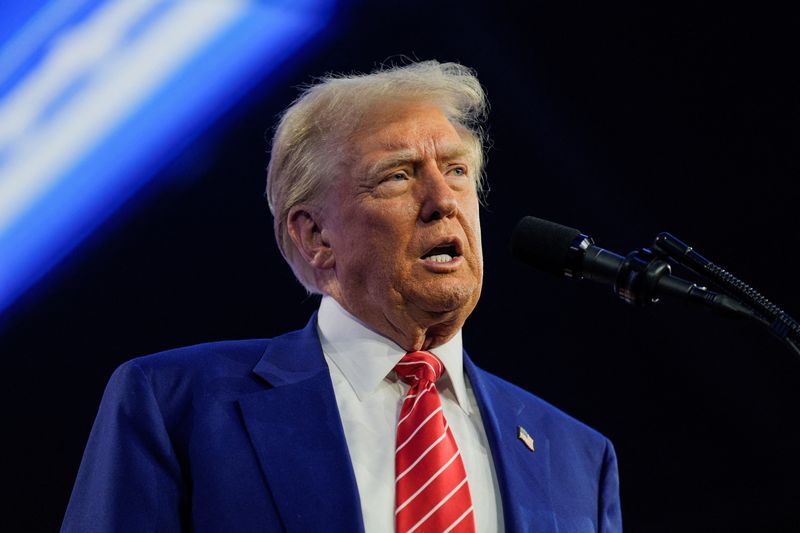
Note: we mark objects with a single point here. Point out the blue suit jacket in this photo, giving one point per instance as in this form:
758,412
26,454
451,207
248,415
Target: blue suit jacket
246,436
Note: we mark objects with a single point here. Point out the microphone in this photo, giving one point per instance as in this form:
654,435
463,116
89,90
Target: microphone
640,278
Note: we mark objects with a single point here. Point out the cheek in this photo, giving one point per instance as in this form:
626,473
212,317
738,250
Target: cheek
472,222
478,243
374,237
390,221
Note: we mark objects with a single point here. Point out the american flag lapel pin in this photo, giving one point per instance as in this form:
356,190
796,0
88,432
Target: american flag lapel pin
526,438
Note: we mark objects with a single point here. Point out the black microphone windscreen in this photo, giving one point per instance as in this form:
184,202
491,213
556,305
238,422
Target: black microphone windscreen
543,244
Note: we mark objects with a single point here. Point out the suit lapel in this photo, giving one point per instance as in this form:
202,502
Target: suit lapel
523,476
297,433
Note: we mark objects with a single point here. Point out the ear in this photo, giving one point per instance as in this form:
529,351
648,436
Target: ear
305,229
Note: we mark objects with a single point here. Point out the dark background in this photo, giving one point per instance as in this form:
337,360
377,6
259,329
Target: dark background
620,120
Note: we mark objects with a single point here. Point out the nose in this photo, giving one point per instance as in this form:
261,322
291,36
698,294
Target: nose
439,200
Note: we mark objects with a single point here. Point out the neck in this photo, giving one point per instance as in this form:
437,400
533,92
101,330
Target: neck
410,331
414,336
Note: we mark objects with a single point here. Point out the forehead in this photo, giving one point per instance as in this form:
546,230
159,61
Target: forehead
420,130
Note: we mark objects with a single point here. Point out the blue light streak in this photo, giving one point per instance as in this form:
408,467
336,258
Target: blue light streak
196,92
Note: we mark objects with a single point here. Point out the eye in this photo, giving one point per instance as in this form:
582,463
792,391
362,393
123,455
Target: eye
396,176
458,171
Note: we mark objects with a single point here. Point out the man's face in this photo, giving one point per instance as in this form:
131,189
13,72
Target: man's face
402,221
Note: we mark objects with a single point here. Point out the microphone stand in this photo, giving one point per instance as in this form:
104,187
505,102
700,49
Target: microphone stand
759,308
643,276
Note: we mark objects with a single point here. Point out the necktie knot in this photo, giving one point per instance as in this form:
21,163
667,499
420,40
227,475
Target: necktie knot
419,366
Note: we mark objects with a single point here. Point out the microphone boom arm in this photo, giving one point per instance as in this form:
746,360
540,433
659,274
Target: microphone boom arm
642,277
780,323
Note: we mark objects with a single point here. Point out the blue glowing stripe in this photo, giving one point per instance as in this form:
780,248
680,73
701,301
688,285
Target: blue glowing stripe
197,91
28,28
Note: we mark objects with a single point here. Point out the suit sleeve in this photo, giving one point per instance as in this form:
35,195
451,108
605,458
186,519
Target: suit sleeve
129,478
609,512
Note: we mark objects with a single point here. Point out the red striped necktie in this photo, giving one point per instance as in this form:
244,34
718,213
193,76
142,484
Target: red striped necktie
431,489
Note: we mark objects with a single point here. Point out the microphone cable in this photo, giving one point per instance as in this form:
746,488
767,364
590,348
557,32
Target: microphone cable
777,320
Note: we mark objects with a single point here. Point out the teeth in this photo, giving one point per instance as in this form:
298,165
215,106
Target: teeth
441,258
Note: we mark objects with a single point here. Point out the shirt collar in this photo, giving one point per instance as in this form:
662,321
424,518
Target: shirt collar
366,357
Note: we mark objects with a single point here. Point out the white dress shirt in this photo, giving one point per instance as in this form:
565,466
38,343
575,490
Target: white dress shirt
369,395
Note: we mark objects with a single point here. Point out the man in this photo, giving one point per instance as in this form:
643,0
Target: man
372,417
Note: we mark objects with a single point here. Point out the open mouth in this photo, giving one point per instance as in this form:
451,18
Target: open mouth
442,254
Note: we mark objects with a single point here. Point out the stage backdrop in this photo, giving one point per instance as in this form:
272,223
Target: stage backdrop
621,120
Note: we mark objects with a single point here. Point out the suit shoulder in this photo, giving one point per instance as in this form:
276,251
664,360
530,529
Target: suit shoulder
214,369
546,413
204,358
184,379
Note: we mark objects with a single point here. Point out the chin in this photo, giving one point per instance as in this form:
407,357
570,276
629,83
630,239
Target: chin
449,298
